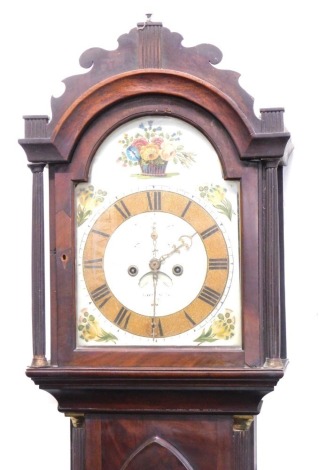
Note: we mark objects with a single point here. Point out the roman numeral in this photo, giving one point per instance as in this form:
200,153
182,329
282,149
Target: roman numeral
189,318
99,232
122,318
160,328
154,200
209,296
101,295
186,208
122,209
218,263
209,231
93,263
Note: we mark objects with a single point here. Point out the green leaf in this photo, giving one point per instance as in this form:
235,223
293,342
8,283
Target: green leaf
206,336
106,337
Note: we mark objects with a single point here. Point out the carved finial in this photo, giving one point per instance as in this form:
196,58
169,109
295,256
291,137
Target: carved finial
148,22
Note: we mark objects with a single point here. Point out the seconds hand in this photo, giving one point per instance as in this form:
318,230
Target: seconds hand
155,279
154,267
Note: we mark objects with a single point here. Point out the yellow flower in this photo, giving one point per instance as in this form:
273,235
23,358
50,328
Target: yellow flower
92,331
224,325
217,195
219,329
89,327
88,199
84,196
150,152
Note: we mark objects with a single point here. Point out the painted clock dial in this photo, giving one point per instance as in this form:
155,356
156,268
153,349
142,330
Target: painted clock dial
157,256
156,264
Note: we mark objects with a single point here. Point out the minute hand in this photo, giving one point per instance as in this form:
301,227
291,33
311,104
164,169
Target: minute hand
185,242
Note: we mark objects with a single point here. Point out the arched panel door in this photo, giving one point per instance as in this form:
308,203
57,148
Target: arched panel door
156,453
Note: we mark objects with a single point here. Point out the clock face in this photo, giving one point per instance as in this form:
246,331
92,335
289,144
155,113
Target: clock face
157,265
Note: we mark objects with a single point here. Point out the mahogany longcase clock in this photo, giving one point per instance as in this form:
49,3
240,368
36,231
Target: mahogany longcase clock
166,257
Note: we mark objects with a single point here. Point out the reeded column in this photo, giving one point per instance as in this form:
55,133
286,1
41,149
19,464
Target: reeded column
272,268
77,441
243,440
272,121
38,267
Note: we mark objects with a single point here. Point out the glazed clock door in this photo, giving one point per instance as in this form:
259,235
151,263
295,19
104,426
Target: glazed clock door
157,241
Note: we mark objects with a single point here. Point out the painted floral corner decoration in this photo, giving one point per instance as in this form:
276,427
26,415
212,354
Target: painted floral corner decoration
152,148
216,195
90,330
222,328
87,200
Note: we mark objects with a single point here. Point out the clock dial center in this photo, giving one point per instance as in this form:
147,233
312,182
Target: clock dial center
155,264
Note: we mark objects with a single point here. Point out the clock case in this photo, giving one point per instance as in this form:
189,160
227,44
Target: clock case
199,392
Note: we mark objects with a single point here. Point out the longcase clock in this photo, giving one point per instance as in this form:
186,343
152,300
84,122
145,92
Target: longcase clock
166,257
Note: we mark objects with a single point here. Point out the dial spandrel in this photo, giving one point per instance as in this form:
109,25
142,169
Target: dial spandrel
157,257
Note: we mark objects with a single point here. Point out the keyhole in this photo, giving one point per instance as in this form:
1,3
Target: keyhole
64,260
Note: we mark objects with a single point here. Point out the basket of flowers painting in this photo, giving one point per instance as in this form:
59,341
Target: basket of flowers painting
152,148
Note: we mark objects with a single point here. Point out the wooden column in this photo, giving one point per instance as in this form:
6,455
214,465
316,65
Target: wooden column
272,121
38,266
77,442
272,285
244,439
